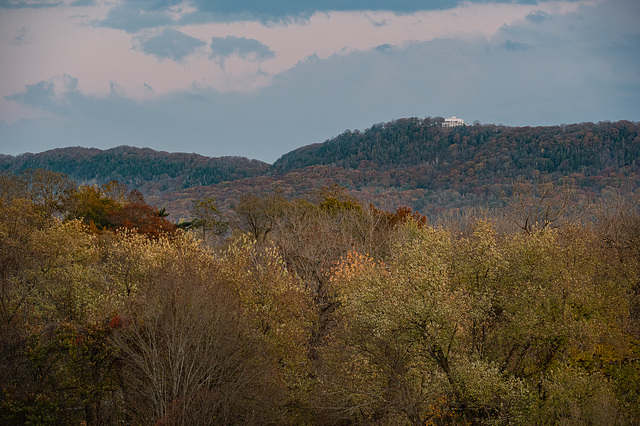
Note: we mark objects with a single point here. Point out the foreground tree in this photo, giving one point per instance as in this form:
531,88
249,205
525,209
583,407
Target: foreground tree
188,358
279,308
259,216
50,191
478,330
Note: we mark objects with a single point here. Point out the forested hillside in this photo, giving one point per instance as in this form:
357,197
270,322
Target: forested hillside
482,151
150,171
413,162
418,163
476,161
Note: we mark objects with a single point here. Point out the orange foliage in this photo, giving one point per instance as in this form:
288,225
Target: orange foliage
112,206
352,265
404,214
142,218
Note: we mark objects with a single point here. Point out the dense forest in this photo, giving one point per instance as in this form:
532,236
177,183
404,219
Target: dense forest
412,161
500,151
318,310
470,165
147,170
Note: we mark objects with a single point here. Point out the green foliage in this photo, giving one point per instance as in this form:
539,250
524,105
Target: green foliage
69,376
92,206
478,150
335,201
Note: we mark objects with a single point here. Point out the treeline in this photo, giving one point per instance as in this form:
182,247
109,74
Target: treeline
494,151
151,172
469,165
314,311
405,154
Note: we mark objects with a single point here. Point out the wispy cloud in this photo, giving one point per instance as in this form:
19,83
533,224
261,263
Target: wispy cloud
170,44
34,4
51,95
22,37
246,48
515,46
538,16
385,48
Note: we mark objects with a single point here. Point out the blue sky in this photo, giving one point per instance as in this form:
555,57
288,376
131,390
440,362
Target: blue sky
260,78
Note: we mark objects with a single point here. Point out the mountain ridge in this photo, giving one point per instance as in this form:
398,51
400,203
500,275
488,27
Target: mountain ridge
409,161
145,169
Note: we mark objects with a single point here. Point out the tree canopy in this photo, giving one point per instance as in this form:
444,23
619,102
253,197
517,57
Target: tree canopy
318,310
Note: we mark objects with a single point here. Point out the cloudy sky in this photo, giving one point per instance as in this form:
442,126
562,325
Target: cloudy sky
258,78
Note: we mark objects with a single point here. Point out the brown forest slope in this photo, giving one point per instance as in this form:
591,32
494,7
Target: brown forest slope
417,163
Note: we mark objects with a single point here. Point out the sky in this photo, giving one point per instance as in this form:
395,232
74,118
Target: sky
259,78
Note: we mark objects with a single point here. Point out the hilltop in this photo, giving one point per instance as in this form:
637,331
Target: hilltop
150,171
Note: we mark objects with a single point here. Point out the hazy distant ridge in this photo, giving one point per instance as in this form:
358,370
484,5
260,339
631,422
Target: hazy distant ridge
146,169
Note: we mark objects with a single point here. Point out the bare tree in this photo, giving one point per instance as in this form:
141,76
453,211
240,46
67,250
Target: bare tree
259,215
188,358
51,191
207,216
539,204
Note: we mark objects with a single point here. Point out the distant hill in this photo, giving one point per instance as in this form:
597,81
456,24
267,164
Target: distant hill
145,169
491,151
430,168
409,161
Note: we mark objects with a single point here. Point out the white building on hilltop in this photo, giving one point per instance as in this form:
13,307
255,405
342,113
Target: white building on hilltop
453,122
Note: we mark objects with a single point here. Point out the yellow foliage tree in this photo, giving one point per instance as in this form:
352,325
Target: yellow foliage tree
485,322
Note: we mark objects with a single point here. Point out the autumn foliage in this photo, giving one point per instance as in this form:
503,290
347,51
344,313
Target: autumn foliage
318,311
112,206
